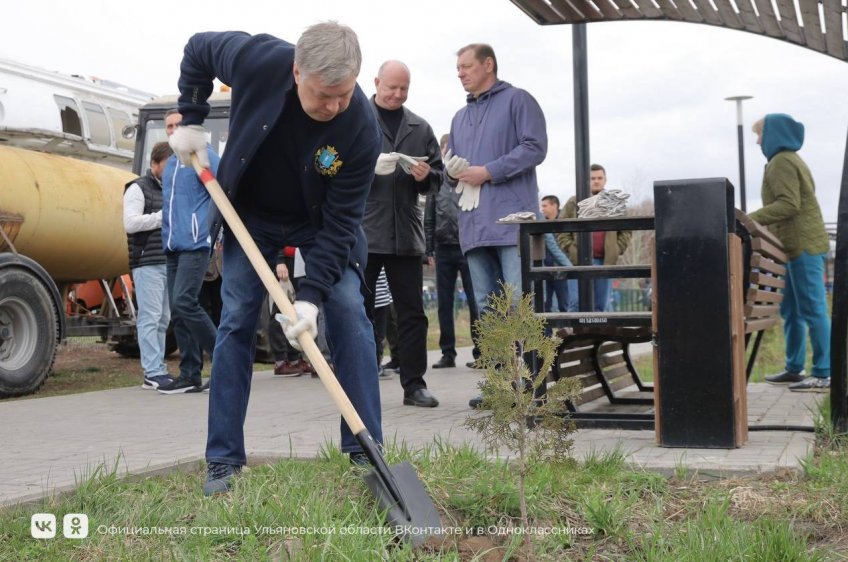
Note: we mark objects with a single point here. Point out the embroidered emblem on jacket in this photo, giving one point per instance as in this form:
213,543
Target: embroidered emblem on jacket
327,162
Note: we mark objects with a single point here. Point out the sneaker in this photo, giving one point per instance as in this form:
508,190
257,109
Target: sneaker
811,384
205,387
359,459
288,368
180,386
152,383
392,365
476,402
785,377
383,374
476,364
219,478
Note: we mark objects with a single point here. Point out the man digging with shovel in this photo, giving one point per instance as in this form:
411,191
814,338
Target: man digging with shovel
299,163
298,167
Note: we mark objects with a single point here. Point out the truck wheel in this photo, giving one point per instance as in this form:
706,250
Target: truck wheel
29,331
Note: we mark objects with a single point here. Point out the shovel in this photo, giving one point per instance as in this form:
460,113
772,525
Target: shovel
398,490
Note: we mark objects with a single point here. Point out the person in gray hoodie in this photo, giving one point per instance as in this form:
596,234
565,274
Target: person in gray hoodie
496,142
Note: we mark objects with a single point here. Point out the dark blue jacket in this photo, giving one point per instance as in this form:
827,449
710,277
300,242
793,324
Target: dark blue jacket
259,70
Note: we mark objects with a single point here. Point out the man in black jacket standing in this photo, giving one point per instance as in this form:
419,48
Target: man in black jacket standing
442,233
410,165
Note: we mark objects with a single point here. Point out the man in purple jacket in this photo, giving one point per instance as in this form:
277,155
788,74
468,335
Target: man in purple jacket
497,139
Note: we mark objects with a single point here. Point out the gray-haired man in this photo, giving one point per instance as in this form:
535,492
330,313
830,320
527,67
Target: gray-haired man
299,162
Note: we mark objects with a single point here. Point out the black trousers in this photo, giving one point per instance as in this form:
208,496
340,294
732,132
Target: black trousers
450,262
406,278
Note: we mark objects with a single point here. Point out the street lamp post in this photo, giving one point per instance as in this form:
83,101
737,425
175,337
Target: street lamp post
739,100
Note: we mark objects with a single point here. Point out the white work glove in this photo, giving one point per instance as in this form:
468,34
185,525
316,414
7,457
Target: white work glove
407,162
307,321
469,196
454,164
386,163
188,140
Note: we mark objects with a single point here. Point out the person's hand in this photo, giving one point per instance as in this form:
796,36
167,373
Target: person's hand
474,175
188,140
386,163
431,260
469,196
454,164
420,171
282,272
307,321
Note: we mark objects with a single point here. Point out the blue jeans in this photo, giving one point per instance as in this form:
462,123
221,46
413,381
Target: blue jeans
193,328
151,293
804,307
449,263
489,266
349,333
601,289
566,293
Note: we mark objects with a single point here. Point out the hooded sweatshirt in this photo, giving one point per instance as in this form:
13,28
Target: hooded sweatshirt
790,209
504,130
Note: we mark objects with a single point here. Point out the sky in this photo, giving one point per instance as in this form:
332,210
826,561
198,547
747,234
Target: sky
656,89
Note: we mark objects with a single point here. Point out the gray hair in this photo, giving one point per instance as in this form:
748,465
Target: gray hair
329,50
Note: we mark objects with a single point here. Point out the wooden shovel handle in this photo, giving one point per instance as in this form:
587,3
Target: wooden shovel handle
268,278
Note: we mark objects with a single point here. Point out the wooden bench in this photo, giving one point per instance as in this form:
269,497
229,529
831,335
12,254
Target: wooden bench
599,356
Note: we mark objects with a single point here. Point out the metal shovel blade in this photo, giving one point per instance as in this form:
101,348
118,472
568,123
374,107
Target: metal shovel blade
414,518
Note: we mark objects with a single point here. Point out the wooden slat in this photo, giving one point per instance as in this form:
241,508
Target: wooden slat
737,336
756,311
833,25
688,12
570,13
648,9
609,10
812,24
759,325
619,383
728,15
771,250
540,11
758,278
627,9
669,10
593,11
789,22
748,16
617,372
760,295
768,19
576,370
707,12
590,394
759,261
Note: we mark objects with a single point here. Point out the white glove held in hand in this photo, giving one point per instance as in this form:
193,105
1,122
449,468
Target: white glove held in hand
469,196
407,162
188,140
454,164
307,321
386,163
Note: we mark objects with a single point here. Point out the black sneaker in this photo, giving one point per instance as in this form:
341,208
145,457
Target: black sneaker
476,402
219,478
785,377
153,383
180,386
392,365
811,384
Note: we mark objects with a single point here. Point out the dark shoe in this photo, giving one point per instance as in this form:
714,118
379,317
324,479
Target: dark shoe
219,478
811,384
444,363
383,374
288,368
476,402
205,387
180,386
785,377
359,459
392,365
476,364
421,397
153,383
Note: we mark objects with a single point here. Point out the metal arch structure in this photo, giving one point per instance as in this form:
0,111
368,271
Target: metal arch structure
813,24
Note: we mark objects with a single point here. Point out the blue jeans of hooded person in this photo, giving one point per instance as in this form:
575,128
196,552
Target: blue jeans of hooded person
193,328
489,266
601,289
154,314
804,307
349,333
449,263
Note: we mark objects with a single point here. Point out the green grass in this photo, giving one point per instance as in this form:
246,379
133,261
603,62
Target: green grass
600,509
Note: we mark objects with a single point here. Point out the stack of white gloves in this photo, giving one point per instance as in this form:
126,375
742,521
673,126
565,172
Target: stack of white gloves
469,196
388,161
